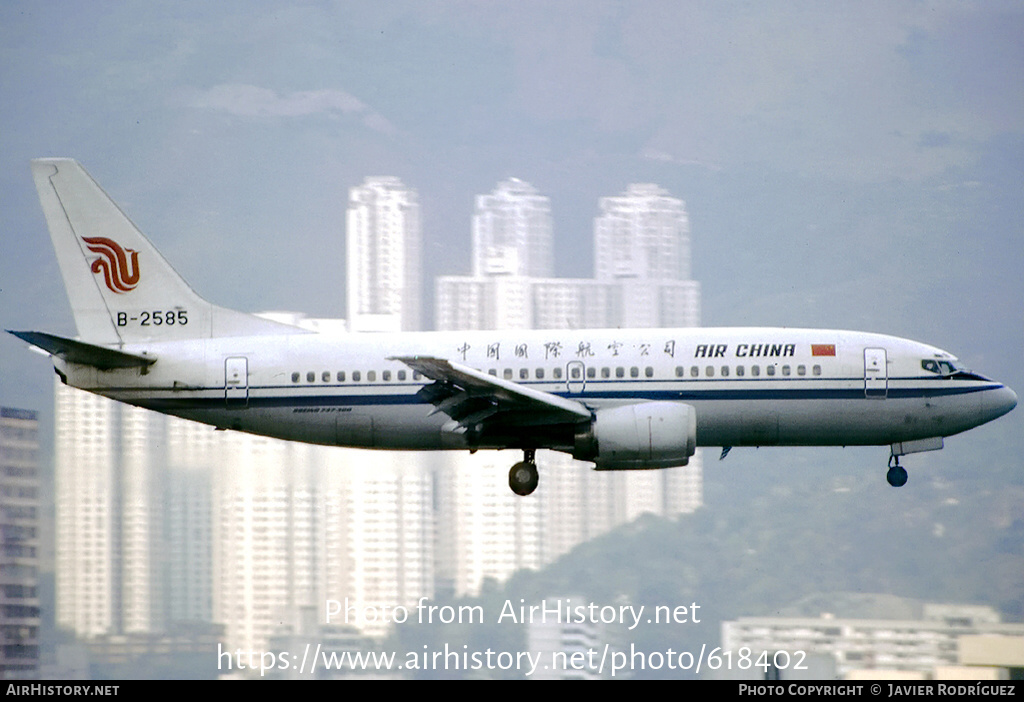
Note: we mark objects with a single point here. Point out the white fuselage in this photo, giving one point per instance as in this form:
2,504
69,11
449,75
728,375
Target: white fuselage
748,386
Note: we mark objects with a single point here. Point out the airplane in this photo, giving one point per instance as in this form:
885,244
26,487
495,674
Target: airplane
623,399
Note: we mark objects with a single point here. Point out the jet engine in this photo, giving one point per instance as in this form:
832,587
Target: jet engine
644,435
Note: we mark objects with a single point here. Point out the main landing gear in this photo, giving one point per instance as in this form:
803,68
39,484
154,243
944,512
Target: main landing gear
897,475
523,477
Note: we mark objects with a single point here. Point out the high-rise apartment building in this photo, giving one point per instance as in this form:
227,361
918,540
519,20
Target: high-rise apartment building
132,517
512,245
378,534
383,252
297,525
264,531
192,459
109,504
512,232
642,245
484,531
643,233
19,543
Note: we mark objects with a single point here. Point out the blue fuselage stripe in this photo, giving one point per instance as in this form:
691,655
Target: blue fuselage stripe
594,392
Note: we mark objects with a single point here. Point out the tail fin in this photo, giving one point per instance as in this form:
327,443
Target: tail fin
120,288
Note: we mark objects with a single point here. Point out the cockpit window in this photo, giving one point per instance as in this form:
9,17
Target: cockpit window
949,369
940,367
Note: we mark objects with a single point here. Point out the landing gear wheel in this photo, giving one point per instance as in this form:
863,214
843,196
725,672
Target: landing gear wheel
897,475
523,478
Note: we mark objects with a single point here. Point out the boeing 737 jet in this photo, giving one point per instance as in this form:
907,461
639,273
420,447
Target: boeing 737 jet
623,399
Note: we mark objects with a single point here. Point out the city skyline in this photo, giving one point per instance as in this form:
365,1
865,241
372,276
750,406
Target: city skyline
510,286
161,521
640,276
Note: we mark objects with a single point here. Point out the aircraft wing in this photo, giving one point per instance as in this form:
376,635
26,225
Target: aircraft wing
471,397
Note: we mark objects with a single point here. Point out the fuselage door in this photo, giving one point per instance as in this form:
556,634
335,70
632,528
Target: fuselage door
236,382
876,373
575,376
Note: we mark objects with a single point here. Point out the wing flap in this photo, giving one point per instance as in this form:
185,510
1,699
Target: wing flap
469,396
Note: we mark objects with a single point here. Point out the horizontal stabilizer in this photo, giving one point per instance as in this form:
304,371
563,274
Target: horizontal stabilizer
80,352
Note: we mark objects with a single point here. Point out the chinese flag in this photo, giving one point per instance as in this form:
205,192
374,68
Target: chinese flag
823,349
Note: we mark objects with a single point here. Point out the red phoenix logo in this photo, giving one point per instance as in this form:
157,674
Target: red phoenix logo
113,263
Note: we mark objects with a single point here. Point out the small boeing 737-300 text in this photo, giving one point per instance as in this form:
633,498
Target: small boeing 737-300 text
623,399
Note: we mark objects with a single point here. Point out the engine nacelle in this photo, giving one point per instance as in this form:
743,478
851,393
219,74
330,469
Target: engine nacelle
633,437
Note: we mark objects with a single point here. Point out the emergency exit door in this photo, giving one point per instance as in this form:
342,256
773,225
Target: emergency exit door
236,382
876,373
575,376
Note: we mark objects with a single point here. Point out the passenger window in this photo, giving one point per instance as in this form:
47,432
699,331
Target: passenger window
755,370
620,372
649,372
575,372
371,376
785,370
679,371
557,373
770,370
310,377
416,375
694,372
710,371
356,376
341,376
493,371
816,370
524,373
507,374
634,372
295,377
401,375
326,376
725,371
606,372
386,375
539,373
591,372
801,370
739,371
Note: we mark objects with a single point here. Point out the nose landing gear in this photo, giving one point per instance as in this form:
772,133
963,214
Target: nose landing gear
897,475
523,477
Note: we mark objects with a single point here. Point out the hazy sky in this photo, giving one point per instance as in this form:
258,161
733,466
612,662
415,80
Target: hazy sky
844,164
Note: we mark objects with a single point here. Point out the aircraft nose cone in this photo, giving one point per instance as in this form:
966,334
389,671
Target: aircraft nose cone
1010,400
998,402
